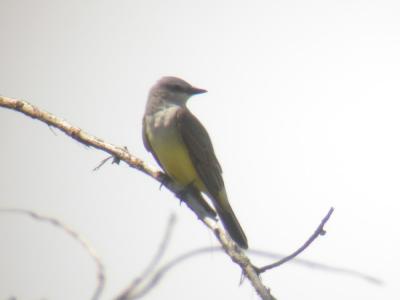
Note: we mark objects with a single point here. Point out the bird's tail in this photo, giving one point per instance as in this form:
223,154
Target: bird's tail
229,219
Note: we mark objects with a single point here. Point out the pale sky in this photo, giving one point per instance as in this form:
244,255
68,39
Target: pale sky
303,110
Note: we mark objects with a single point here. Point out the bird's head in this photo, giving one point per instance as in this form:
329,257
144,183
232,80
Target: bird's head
174,90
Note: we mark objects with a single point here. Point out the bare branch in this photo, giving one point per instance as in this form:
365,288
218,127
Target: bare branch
138,288
119,153
319,231
101,277
235,253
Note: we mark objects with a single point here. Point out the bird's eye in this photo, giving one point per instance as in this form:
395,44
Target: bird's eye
176,88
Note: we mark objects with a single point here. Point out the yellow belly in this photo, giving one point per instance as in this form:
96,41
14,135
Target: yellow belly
174,157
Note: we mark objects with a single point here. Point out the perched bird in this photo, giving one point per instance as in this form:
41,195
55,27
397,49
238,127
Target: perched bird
183,149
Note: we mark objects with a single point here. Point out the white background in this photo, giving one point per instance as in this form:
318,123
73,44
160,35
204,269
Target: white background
303,110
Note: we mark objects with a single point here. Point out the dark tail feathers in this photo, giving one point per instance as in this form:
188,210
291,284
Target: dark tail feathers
232,225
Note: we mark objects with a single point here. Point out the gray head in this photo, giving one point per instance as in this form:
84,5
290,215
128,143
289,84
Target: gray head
173,90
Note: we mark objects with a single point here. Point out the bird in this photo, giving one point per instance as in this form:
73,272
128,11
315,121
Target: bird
182,147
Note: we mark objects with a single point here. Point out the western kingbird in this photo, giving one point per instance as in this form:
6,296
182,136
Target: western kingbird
183,149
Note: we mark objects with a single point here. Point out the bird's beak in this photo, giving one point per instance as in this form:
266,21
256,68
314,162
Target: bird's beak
194,91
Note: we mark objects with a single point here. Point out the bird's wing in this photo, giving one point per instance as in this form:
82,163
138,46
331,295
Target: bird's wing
206,164
201,151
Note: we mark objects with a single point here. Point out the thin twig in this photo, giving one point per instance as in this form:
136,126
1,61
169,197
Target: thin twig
322,267
319,231
101,277
102,163
304,262
134,290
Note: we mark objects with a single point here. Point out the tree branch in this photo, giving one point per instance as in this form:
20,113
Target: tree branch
120,153
101,277
319,231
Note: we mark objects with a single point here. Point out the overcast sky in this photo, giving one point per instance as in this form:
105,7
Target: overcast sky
303,110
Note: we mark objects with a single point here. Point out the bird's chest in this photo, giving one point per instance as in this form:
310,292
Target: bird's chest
161,126
168,146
